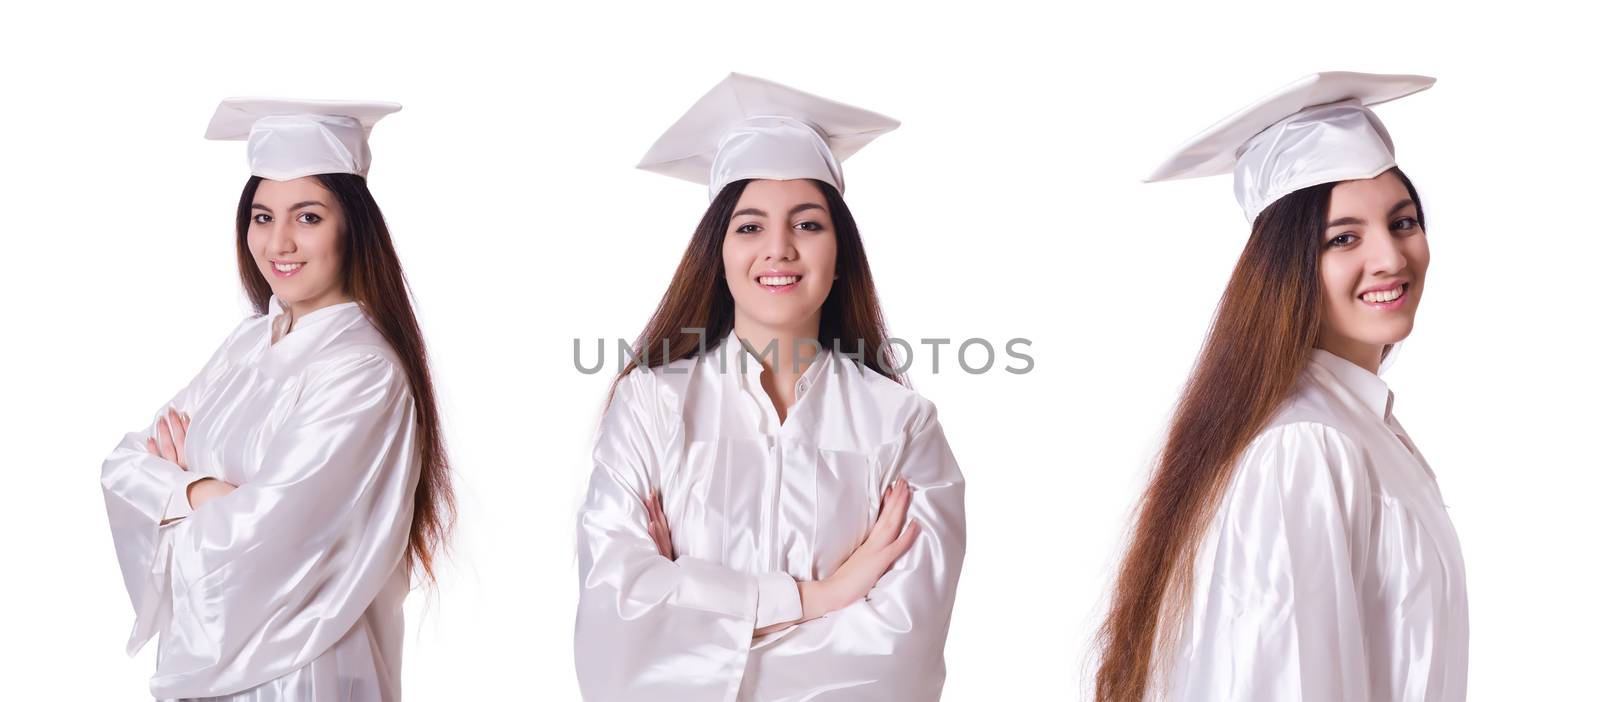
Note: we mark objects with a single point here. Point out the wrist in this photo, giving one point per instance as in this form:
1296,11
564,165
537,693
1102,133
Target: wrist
818,598
814,599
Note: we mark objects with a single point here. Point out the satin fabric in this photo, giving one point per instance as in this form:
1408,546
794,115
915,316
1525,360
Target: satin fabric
1315,130
1327,144
749,127
289,588
773,147
288,139
1331,570
755,505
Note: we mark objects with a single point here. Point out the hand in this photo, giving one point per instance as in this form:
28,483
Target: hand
885,543
658,526
171,431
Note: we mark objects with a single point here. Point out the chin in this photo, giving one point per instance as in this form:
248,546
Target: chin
1390,335
780,319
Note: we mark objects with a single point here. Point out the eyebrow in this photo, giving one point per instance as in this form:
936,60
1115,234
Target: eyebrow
802,207
297,205
1343,221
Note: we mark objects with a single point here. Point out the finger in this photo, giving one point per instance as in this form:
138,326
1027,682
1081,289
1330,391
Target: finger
891,516
150,445
879,533
659,534
185,417
903,544
164,440
178,437
894,512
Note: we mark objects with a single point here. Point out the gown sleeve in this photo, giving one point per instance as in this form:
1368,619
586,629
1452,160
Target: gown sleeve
649,628
1278,614
141,491
269,577
889,645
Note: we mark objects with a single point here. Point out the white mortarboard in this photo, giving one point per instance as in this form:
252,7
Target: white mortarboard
748,127
289,139
1315,130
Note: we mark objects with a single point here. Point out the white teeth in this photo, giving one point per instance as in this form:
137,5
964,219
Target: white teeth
778,280
1384,295
287,267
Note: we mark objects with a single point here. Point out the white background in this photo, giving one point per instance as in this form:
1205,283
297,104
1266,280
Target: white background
1009,204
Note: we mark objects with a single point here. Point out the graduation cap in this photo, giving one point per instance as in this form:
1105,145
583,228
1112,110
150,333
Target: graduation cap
288,139
748,127
1315,130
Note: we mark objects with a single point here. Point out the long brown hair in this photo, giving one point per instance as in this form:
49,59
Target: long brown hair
373,277
1260,340
698,297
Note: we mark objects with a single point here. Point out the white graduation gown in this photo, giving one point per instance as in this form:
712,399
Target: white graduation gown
289,588
754,506
1331,570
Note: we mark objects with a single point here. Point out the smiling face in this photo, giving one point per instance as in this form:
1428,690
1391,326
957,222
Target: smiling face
1374,256
295,238
779,255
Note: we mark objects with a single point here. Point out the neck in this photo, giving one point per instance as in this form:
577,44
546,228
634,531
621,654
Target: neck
301,308
1368,356
785,354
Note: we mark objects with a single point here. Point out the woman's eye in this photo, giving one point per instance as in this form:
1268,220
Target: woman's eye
309,218
748,228
809,226
1342,240
1404,224
261,218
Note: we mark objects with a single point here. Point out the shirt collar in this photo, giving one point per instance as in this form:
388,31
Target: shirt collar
1367,387
276,308
742,359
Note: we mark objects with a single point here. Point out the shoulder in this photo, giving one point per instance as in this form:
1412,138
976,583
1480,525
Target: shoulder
1312,403
357,355
359,338
1303,459
902,409
660,387
246,334
1306,437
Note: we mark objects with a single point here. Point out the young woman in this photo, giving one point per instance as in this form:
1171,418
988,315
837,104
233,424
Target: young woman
269,520
1292,544
772,514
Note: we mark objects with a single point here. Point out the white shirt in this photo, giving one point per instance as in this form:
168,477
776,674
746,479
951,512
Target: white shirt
289,588
755,505
1330,570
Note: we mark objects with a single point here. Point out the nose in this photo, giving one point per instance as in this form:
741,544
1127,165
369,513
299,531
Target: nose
779,245
280,239
1385,256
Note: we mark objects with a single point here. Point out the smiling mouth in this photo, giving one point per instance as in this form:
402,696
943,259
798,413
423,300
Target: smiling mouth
777,282
284,269
1386,299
